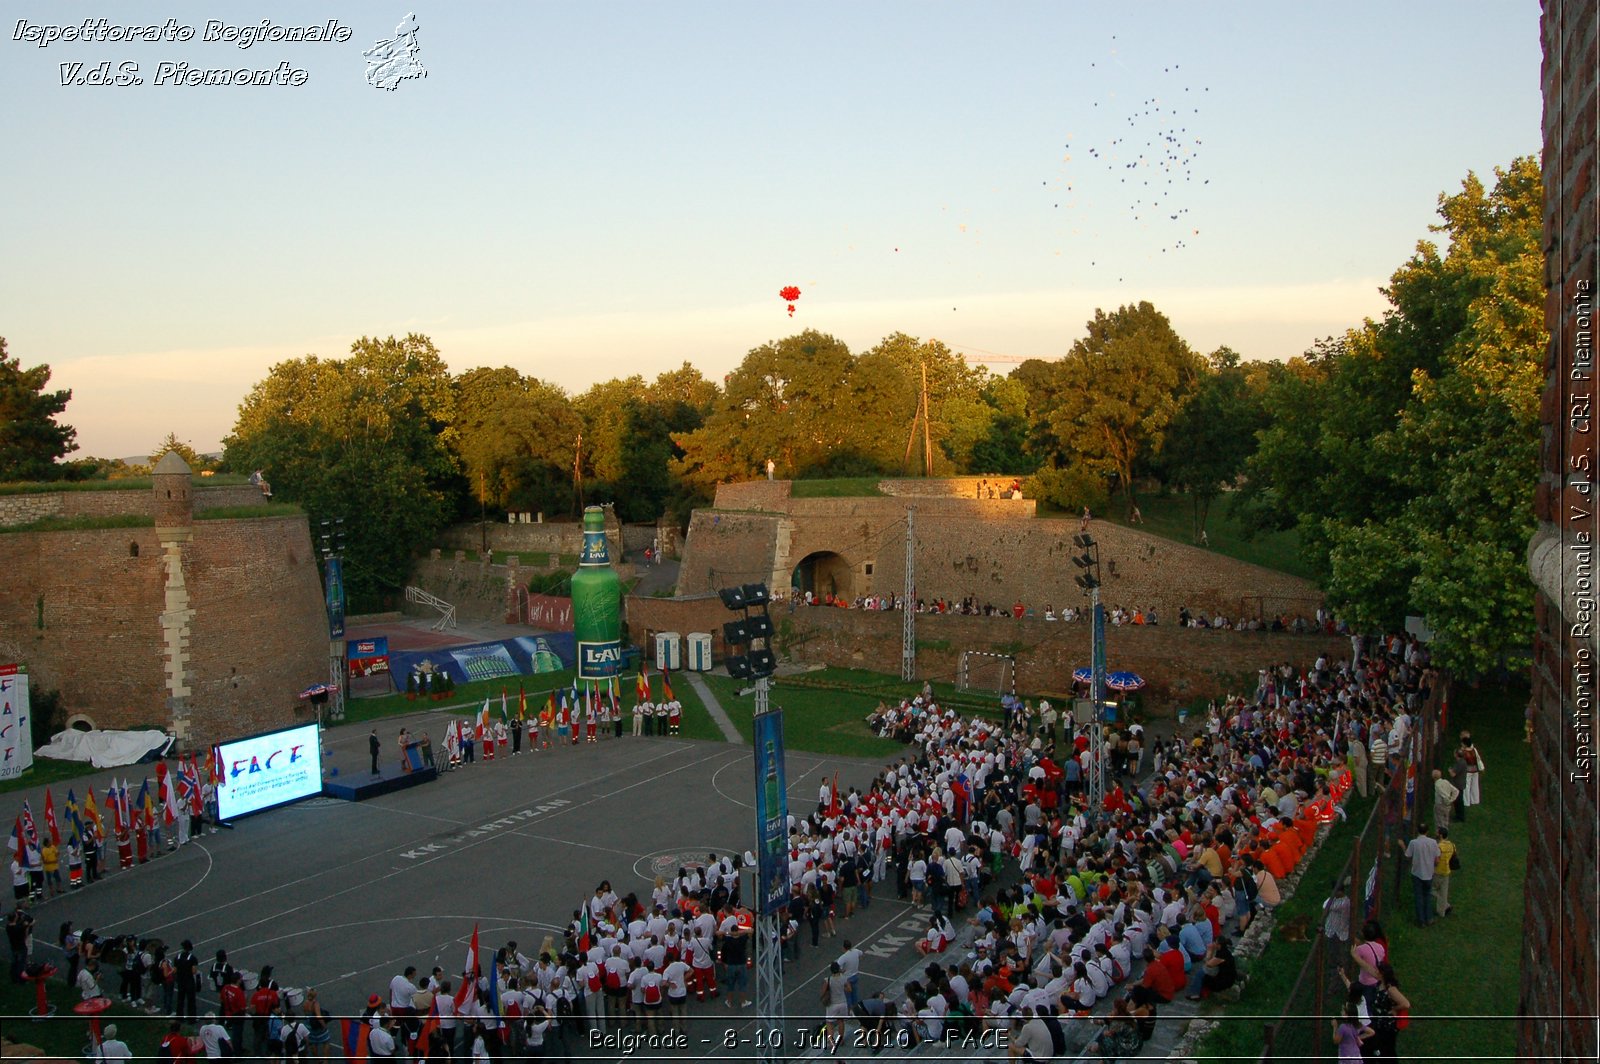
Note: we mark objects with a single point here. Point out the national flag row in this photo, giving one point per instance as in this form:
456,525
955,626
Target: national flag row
134,818
563,707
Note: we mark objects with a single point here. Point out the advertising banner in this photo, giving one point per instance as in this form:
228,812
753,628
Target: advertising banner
263,771
772,814
334,579
550,611
16,723
522,656
367,648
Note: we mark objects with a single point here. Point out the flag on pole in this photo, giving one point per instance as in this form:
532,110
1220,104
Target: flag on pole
92,812
833,801
522,703
469,974
29,831
14,842
666,686
504,714
585,928
74,827
641,683
214,766
119,818
50,818
483,719
167,794
615,701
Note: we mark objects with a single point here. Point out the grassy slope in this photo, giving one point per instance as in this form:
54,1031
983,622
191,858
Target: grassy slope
1171,516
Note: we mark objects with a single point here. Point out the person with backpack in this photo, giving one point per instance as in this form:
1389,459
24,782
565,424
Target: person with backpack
174,1044
318,1025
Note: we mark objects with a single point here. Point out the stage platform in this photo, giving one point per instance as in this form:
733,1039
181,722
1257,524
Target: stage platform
359,786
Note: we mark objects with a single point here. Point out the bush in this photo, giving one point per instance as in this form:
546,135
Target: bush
49,716
1069,489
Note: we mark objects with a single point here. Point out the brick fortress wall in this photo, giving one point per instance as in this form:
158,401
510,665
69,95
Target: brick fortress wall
1178,664
1560,996
992,550
82,610
25,509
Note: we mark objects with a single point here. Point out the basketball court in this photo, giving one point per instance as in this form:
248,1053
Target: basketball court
343,896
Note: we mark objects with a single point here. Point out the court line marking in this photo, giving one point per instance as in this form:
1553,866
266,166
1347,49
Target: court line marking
422,862
210,864
390,850
584,845
791,785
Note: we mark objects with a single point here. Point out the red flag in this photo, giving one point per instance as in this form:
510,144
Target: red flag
522,703
165,795
50,818
833,802
29,831
469,977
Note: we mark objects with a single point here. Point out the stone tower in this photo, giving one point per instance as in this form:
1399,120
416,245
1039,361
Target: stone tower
174,513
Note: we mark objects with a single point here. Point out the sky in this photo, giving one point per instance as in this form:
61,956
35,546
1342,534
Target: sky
584,189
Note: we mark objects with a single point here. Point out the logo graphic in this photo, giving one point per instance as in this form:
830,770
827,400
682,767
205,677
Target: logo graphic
393,61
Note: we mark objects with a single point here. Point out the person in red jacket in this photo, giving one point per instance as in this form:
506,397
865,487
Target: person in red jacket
1159,977
175,1044
233,1008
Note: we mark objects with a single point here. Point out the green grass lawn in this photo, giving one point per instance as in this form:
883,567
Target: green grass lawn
64,1036
47,771
818,721
1467,964
1172,517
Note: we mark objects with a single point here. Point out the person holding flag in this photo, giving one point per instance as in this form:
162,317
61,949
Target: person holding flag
616,711
94,834
521,721
664,708
74,843
119,825
591,711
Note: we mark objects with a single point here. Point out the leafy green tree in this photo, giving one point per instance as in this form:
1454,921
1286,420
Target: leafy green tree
517,439
363,439
789,401
1118,389
1214,434
1407,452
32,441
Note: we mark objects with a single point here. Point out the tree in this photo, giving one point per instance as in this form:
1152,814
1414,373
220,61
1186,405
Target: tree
1214,433
31,440
363,439
516,438
789,401
1407,452
1119,388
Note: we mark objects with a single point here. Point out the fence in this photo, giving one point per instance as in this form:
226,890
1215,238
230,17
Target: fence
1375,877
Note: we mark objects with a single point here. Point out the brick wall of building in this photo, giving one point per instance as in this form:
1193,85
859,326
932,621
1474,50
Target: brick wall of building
1178,664
25,509
82,608
558,537
1560,998
988,550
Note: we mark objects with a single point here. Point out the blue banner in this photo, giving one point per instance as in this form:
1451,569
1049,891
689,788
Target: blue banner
367,648
1099,677
334,578
522,656
772,814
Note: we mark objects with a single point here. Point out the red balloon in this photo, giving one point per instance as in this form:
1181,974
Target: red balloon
789,293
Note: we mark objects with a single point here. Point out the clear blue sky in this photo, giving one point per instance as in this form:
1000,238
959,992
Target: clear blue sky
588,189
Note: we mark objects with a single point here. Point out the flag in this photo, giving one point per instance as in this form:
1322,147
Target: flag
166,794
74,826
121,798
354,1035
666,686
14,842
146,804
614,699
493,1001
833,802
483,719
196,795
50,818
585,928
642,682
429,1025
522,703
29,831
504,715
119,817
469,974
550,706
214,767
93,813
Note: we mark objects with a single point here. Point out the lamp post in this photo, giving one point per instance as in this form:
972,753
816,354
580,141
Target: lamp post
750,657
1089,580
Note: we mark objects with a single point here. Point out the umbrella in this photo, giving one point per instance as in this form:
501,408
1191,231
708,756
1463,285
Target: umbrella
1124,681
318,690
1082,675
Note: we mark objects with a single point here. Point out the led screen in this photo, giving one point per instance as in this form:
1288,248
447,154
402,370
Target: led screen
267,770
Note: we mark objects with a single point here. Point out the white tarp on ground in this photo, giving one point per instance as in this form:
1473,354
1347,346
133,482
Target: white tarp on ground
104,749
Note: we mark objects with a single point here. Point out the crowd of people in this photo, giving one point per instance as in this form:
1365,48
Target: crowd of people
984,825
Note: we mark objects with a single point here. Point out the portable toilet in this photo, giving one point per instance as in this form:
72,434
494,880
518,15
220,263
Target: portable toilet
697,648
668,653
